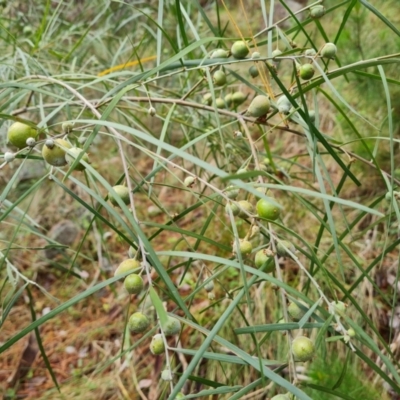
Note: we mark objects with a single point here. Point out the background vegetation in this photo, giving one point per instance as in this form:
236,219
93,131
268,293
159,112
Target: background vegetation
133,79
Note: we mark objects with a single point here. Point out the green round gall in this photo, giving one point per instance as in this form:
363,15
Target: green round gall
239,49
27,30
127,265
284,105
207,99
245,247
171,327
18,133
189,181
122,192
276,53
157,346
166,375
253,71
132,252
232,192
282,248
232,207
219,78
329,50
261,259
310,53
9,156
238,98
228,99
56,155
306,71
295,311
209,286
71,156
339,307
351,332
245,208
133,284
219,102
389,197
303,348
280,397
311,114
219,53
259,106
138,323
67,127
267,210
317,11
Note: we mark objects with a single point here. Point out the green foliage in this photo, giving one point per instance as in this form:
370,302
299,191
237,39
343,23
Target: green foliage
183,143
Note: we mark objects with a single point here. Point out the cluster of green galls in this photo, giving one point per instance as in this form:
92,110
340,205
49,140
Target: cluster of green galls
266,209
56,152
139,322
261,104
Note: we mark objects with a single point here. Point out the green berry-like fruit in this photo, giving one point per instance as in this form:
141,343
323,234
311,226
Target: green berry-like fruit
138,323
219,102
245,208
219,78
310,53
166,375
67,127
284,105
245,247
281,247
329,50
253,71
9,156
280,397
207,99
72,154
219,53
179,395
171,327
306,71
189,181
317,11
239,50
133,284
132,252
232,192
55,155
268,210
351,332
259,106
238,98
295,311
209,286
232,207
339,307
303,348
157,346
127,265
256,55
228,99
18,133
261,259
122,192
276,53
